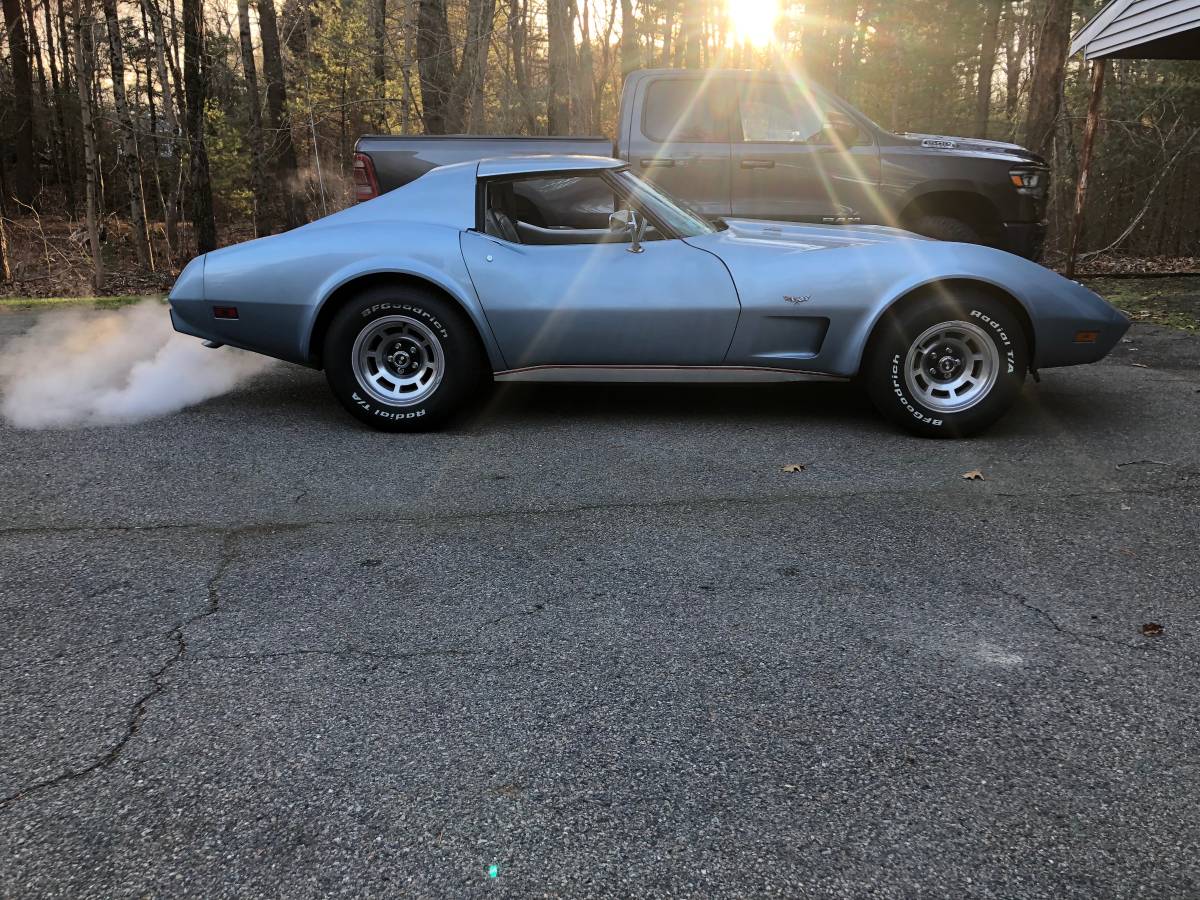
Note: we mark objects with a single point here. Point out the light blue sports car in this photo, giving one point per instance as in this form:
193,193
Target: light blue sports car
571,268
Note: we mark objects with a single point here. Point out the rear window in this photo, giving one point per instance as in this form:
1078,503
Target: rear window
679,109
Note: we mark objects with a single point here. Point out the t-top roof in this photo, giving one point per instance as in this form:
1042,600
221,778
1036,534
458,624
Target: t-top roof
524,165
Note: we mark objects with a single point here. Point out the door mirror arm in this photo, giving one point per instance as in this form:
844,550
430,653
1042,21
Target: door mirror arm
632,223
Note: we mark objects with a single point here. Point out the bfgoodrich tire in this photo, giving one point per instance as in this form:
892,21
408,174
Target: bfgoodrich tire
946,367
403,359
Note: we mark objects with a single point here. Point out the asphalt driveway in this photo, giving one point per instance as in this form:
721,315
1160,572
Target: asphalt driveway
599,643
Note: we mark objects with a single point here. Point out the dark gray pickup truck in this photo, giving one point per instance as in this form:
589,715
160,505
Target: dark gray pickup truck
760,145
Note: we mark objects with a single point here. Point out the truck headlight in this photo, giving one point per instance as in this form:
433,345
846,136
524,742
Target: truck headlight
1032,182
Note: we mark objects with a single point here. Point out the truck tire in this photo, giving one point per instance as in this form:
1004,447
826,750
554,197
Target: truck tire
946,228
400,358
946,367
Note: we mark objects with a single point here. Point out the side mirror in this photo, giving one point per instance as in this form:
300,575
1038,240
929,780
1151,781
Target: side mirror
629,222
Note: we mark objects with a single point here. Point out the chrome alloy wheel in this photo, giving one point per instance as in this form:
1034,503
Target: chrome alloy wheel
951,366
398,360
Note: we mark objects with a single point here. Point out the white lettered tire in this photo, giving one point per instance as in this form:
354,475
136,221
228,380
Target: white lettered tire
946,366
400,358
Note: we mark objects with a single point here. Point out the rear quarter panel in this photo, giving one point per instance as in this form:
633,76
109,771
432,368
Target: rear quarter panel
280,284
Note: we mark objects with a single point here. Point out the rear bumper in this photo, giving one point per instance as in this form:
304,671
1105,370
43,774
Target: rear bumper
1024,239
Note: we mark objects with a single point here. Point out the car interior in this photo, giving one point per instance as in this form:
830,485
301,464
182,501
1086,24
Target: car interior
551,210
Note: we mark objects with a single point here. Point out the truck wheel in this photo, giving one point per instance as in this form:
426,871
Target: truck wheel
946,228
946,367
403,359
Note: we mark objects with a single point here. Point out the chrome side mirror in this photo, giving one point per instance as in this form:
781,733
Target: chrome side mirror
629,222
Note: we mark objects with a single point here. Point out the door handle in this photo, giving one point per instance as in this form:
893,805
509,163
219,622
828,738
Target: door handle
758,163
661,162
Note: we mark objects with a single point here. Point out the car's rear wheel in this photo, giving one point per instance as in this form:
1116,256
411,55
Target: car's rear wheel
403,359
946,367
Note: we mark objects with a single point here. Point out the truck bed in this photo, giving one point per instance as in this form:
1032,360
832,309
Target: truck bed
399,159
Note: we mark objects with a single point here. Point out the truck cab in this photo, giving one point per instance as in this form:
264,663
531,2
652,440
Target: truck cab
769,145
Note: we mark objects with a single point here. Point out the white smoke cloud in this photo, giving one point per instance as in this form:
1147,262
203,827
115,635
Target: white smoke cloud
83,367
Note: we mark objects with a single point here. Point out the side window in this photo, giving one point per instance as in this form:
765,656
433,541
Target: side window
682,109
552,209
779,112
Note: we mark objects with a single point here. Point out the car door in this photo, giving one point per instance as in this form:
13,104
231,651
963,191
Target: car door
681,142
797,156
600,304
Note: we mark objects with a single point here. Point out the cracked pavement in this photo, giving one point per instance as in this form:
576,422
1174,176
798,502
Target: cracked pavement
598,639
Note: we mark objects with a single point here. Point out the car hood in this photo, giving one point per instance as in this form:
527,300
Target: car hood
951,144
800,237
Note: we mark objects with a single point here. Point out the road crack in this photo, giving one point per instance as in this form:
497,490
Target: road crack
158,680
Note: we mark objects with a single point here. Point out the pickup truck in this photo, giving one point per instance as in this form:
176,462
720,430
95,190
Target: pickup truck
761,145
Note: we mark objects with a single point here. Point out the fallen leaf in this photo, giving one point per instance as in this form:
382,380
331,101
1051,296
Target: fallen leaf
1139,365
795,467
1152,628
973,475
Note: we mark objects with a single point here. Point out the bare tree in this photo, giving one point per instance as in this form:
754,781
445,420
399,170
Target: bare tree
631,56
258,179
987,65
283,148
435,64
129,148
83,82
466,92
558,75
1045,86
196,89
22,76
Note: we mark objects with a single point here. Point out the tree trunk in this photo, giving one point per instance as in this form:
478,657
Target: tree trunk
1045,86
258,179
561,39
582,100
1085,165
987,65
693,25
171,204
83,83
379,63
814,47
466,93
518,33
203,225
129,149
279,123
22,79
435,64
631,57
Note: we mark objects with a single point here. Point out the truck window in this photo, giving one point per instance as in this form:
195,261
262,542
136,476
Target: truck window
685,109
778,112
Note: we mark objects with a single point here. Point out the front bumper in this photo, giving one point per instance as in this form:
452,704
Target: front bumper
1024,239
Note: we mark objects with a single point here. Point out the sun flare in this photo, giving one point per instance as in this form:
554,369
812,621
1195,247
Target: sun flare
753,21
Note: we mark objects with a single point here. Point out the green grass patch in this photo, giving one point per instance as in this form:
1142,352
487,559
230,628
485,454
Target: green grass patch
1174,302
94,302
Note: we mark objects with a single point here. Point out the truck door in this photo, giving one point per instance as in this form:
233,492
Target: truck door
797,156
681,140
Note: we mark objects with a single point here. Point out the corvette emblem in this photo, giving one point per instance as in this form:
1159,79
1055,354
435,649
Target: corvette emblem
802,298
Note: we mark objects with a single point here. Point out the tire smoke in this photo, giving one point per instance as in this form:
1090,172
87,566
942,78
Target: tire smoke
89,367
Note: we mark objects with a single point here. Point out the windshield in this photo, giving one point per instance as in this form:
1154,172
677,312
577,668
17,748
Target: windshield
660,206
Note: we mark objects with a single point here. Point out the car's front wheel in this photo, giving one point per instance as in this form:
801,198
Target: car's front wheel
403,359
946,367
